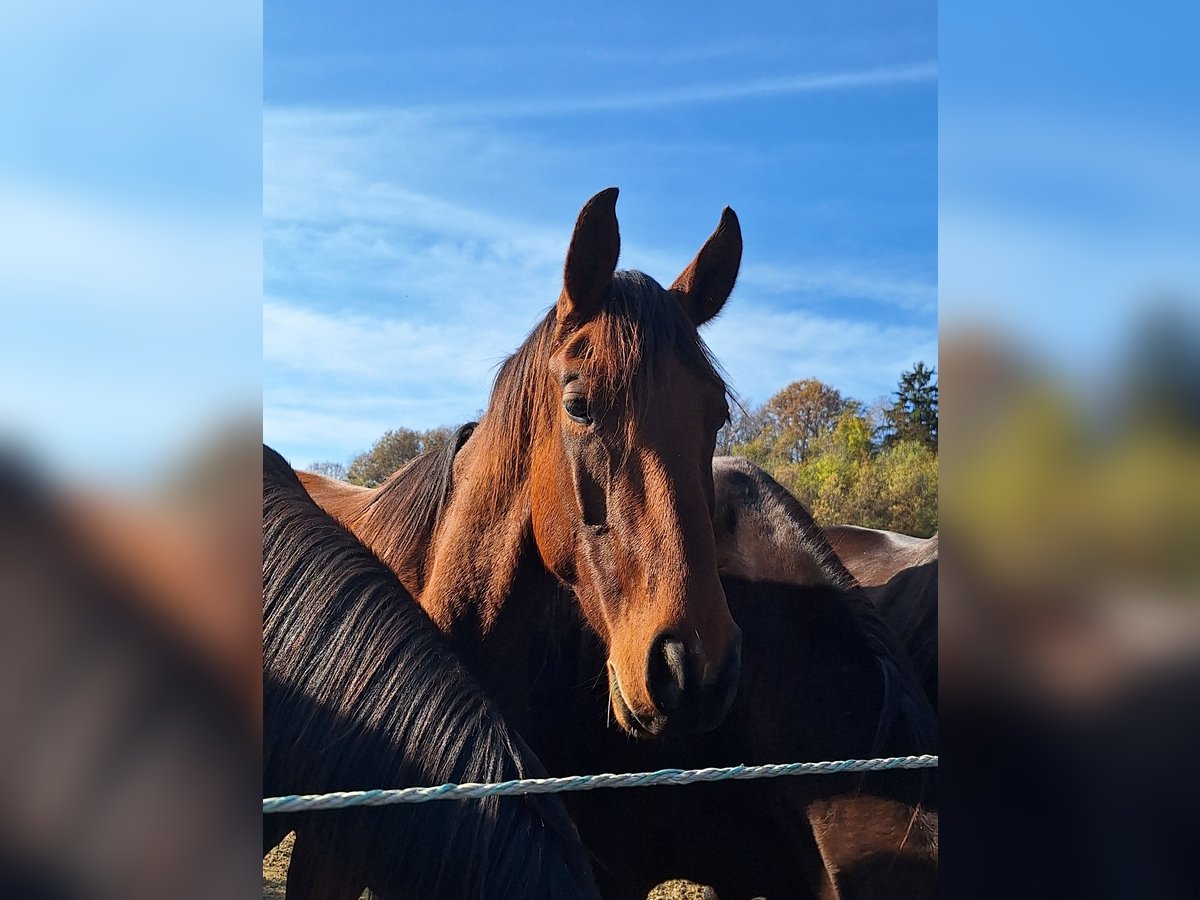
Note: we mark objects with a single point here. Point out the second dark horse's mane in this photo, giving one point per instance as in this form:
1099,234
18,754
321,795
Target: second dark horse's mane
391,707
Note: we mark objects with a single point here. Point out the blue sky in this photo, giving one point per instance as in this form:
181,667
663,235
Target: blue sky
423,169
1069,175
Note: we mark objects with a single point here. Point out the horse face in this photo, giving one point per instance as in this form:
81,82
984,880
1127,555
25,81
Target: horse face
622,492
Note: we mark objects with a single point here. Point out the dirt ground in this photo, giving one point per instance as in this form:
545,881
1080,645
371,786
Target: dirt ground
275,878
275,870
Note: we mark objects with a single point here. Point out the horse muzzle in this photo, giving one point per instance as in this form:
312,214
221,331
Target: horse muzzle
681,701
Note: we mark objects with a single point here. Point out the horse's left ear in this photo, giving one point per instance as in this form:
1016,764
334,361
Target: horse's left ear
706,283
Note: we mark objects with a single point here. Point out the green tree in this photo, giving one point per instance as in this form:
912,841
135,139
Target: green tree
906,476
850,435
391,451
848,480
914,414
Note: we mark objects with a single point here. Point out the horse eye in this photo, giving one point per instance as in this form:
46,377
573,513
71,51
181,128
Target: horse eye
578,409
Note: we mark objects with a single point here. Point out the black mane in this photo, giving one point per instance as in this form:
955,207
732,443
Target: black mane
361,692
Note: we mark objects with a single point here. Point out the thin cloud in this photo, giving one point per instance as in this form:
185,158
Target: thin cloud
686,95
505,53
372,348
856,281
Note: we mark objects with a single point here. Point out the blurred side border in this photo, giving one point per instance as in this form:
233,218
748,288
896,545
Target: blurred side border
1069,321
130,432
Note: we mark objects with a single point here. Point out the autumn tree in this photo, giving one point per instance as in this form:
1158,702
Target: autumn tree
800,415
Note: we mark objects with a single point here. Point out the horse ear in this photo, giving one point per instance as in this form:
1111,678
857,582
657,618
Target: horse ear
591,259
706,283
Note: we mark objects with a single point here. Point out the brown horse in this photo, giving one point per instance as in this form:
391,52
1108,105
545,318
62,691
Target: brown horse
591,469
763,533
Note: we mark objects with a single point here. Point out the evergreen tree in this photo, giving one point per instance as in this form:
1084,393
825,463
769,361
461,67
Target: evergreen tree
914,414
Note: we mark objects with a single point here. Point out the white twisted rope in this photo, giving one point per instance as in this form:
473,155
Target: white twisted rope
346,799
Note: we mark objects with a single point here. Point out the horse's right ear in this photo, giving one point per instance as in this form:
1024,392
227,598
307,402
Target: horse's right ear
591,260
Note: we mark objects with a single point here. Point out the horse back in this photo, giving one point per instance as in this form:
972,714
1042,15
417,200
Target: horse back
339,499
874,557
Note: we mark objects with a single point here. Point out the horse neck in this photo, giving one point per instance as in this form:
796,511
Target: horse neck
482,564
408,559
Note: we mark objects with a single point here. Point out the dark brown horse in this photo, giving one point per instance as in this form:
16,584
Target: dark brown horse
822,679
764,534
591,469
391,707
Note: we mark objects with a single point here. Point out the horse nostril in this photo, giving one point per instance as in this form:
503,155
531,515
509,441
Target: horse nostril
666,672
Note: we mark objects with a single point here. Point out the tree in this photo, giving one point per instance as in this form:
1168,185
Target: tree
914,414
801,414
391,451
746,423
333,470
851,434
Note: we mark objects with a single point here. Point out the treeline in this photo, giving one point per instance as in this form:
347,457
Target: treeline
848,463
396,447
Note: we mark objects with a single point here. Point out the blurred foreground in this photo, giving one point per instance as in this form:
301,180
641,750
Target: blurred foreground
1070,620
130,285
130,684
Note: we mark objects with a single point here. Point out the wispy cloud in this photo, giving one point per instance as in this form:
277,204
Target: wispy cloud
504,54
379,348
842,281
335,381
889,76
924,72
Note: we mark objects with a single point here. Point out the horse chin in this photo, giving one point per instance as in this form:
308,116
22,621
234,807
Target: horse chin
632,724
